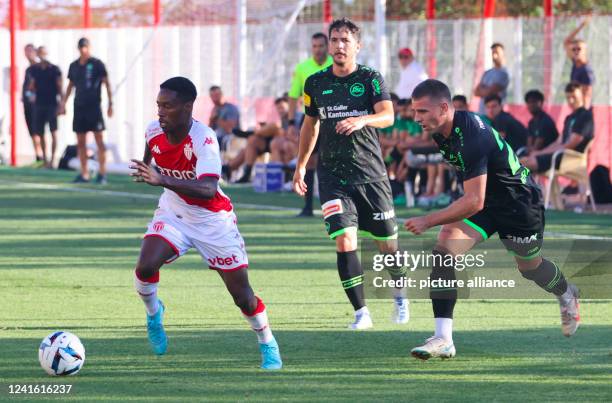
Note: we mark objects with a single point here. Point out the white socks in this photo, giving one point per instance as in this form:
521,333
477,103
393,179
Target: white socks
148,292
444,328
259,323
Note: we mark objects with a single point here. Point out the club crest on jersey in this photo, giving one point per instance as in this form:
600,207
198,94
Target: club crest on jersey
156,149
158,226
208,141
188,151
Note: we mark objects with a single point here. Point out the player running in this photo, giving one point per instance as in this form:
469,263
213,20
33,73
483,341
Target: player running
499,196
346,103
193,212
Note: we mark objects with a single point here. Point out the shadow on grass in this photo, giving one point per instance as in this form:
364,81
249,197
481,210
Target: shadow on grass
333,365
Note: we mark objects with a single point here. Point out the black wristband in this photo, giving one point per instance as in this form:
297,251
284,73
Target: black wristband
291,121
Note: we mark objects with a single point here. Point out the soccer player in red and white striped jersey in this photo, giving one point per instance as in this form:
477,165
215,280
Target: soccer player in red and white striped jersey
193,212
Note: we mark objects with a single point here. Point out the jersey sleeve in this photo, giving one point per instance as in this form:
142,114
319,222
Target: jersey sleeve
310,106
378,88
102,69
476,152
206,149
584,125
71,72
295,91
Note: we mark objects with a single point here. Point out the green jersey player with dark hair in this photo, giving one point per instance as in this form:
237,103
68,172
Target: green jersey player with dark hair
499,196
345,105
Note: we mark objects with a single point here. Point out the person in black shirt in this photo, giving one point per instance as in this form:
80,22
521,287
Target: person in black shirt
46,83
499,196
541,127
86,75
508,127
577,132
27,97
345,104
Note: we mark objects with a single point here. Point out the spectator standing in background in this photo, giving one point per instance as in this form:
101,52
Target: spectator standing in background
86,75
582,73
27,97
541,127
411,74
495,80
508,127
224,117
46,84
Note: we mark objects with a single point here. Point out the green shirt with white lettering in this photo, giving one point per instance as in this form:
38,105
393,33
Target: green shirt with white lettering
353,159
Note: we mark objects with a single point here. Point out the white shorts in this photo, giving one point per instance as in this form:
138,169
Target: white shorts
217,239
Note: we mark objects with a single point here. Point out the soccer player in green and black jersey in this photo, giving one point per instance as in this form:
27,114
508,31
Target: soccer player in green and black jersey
345,104
499,196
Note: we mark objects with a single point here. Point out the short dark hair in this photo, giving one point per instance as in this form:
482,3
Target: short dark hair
183,87
536,95
572,86
345,23
29,45
83,42
492,97
281,99
460,98
404,101
319,35
497,45
432,88
214,88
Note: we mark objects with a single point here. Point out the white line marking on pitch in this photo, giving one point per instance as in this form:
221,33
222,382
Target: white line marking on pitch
146,196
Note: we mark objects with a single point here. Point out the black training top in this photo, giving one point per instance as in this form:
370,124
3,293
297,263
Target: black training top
87,80
579,122
45,79
353,159
475,149
541,125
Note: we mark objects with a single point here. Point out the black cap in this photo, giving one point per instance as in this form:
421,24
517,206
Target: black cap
83,42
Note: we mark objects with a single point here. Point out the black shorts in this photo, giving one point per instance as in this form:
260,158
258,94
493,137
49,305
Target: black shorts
545,161
28,111
520,224
88,119
367,207
45,114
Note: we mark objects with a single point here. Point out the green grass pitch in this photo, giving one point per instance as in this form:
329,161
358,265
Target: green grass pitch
66,263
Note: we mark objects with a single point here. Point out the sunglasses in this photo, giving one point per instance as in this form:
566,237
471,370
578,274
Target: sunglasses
576,49
403,57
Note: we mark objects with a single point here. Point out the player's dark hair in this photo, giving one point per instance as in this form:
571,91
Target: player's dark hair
492,97
320,35
183,87
29,45
497,45
214,88
404,101
345,23
460,98
281,99
571,87
536,95
432,88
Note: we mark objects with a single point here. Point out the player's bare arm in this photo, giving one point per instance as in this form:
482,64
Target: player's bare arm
109,94
308,138
147,155
203,188
62,110
383,117
467,205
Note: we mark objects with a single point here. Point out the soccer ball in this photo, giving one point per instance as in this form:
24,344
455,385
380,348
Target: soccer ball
61,353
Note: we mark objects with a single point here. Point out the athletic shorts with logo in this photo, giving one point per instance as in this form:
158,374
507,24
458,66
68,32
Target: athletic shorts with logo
520,224
217,239
367,207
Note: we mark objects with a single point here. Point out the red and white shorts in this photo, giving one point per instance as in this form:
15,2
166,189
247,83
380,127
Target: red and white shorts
217,239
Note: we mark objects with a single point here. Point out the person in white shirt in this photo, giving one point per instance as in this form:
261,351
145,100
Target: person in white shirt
411,75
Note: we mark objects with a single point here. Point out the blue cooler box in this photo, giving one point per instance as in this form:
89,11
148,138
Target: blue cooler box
268,177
